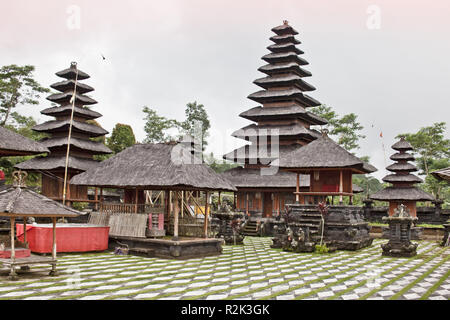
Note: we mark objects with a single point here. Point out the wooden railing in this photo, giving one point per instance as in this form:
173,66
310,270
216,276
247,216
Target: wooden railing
129,208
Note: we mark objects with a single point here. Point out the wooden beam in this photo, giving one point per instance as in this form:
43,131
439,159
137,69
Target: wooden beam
136,201
96,199
13,249
341,186
246,203
297,189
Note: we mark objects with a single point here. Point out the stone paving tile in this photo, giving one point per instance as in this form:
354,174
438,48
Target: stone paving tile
257,263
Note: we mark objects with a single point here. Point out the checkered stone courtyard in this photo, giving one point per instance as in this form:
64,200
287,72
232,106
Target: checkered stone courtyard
252,271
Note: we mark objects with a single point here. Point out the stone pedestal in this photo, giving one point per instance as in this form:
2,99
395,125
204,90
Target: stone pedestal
230,227
400,244
446,239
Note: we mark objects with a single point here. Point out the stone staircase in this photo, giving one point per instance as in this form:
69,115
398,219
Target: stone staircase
250,228
311,219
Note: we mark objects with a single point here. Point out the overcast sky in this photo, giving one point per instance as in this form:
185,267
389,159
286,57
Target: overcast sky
387,61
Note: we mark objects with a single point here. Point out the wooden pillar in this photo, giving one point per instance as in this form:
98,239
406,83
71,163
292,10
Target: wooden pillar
246,203
182,203
205,226
341,184
136,198
297,189
25,232
13,249
219,199
96,199
235,200
175,218
53,272
101,197
279,203
12,273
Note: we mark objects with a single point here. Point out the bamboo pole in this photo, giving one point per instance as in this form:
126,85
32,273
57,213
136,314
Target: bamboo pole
205,226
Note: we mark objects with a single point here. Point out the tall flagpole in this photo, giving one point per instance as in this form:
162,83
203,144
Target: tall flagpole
72,100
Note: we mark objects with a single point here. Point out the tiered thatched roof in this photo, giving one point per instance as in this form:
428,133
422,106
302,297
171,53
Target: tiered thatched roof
402,180
158,166
81,144
14,144
443,174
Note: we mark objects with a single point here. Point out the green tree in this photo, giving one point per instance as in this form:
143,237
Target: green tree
429,144
196,113
121,138
346,129
156,127
17,87
217,165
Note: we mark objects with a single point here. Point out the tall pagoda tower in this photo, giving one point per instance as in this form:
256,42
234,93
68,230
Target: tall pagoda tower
402,190
282,114
82,146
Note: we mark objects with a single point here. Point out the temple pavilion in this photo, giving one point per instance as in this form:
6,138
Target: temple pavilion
402,190
184,181
82,147
329,167
14,144
282,123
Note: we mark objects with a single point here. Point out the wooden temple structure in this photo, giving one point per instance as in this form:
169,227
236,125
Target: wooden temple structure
282,124
13,144
20,202
402,192
329,167
172,169
73,107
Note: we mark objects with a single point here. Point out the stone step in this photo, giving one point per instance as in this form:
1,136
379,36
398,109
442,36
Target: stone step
142,252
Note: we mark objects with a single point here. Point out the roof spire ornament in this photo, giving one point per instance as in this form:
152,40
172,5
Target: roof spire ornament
19,179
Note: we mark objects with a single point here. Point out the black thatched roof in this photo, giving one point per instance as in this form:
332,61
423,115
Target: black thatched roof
292,94
63,125
289,112
285,28
399,156
443,174
395,167
276,57
67,85
16,201
12,143
65,97
71,73
67,110
284,81
284,68
57,162
408,178
399,193
285,38
252,178
292,130
283,47
87,145
402,145
154,166
322,153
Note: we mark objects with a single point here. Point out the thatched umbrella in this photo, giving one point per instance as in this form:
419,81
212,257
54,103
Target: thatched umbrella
18,201
160,166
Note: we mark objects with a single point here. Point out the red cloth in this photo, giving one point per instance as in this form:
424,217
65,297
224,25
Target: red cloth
2,175
68,239
19,253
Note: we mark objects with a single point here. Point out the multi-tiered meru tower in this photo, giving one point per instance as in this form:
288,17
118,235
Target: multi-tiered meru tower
82,146
283,114
402,192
